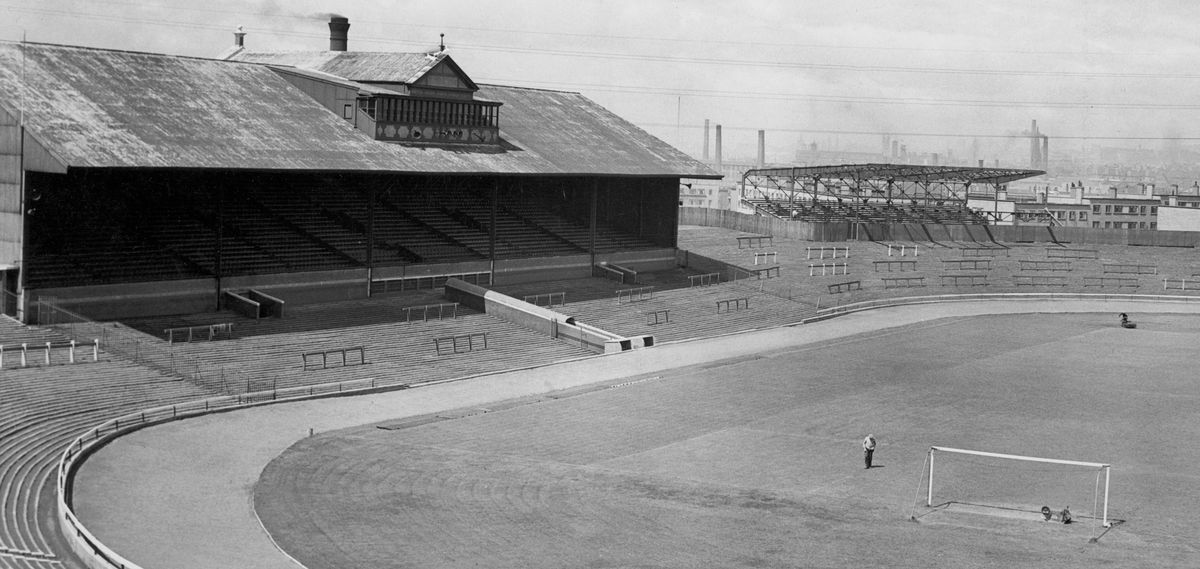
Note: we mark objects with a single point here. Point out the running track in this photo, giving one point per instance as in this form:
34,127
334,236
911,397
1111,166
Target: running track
180,495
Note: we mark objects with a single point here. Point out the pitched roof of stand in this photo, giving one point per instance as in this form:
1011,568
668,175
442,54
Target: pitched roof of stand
94,108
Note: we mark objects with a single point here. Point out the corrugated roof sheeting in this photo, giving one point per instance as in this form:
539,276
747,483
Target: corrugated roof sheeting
376,67
106,109
571,130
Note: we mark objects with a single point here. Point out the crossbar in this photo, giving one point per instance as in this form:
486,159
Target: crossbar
1021,457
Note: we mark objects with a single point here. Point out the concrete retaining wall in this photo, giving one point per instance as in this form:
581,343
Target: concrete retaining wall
539,319
109,302
847,231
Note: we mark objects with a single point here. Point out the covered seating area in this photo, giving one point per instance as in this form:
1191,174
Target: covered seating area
877,193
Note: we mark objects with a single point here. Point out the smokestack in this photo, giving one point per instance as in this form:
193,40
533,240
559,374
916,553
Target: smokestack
762,148
706,140
338,33
1045,152
895,149
1035,151
981,162
718,143
239,37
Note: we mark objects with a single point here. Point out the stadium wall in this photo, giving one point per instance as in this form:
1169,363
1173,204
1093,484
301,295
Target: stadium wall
307,287
10,190
132,300
108,302
848,231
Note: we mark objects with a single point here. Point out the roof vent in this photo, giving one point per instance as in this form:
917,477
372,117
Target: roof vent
338,33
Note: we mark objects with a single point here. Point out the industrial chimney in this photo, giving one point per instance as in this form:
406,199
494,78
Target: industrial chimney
706,140
1035,150
338,33
762,148
718,150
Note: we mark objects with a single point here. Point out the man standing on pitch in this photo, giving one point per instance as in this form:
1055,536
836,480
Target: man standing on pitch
868,449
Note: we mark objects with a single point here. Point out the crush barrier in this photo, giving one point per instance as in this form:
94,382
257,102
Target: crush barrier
26,353
733,305
838,288
898,266
461,343
208,332
639,294
773,255
832,250
833,268
430,312
548,297
751,241
1060,253
343,352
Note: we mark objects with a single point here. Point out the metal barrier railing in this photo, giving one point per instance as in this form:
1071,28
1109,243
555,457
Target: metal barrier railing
430,312
467,343
208,332
344,352
49,348
549,297
639,294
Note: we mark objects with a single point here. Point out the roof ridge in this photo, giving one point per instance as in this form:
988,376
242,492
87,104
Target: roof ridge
530,88
112,50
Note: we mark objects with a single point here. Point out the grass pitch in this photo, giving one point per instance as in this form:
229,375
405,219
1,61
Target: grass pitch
756,462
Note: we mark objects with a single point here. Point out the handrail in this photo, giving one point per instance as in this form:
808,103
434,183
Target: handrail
835,311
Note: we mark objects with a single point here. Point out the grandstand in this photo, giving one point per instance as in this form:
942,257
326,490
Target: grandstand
286,177
136,226
876,193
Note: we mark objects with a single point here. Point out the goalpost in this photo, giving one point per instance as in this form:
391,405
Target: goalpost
1022,479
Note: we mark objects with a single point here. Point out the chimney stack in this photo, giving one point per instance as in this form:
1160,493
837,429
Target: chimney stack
239,37
1035,150
762,148
706,140
338,33
718,143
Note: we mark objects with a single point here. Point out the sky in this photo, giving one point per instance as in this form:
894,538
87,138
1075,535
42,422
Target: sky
940,76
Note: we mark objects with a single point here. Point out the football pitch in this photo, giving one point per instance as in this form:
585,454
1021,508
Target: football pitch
756,461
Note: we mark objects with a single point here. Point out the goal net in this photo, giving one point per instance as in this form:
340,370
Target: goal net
1014,485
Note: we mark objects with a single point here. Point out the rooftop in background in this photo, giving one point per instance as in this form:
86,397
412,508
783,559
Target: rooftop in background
901,173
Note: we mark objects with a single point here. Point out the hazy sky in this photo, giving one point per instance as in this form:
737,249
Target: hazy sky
1115,73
